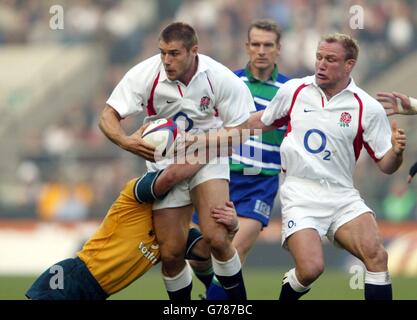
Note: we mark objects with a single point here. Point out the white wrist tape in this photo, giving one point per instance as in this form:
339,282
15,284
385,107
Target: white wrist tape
409,111
413,104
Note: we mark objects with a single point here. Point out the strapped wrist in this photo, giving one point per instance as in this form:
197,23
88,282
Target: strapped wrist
409,111
413,105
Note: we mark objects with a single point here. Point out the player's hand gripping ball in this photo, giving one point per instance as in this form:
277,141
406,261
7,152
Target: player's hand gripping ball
161,134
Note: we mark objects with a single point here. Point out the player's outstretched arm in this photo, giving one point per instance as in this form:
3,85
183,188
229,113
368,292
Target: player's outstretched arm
397,103
255,122
154,185
110,125
412,172
225,138
173,175
393,158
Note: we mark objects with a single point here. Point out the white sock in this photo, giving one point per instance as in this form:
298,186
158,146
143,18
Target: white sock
181,280
291,278
378,278
226,268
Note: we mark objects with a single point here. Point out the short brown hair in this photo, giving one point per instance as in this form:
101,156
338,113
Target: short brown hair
349,44
179,31
267,25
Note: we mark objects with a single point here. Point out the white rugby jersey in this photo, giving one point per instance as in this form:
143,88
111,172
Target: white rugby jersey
324,137
214,92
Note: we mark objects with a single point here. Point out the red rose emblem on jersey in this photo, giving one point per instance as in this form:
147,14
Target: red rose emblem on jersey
204,103
345,119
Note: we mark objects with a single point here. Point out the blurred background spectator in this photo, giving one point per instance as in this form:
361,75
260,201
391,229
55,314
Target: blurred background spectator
400,203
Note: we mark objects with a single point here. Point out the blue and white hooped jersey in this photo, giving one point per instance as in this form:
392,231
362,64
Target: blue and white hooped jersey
324,137
260,152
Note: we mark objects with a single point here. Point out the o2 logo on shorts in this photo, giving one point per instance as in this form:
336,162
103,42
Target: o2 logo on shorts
291,224
315,149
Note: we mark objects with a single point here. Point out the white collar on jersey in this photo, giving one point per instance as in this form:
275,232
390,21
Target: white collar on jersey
202,67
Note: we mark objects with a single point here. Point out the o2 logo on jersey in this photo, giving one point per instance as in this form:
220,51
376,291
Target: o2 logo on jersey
183,122
317,149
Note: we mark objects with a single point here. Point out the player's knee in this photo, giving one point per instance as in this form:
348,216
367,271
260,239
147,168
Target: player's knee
310,271
172,254
375,258
217,241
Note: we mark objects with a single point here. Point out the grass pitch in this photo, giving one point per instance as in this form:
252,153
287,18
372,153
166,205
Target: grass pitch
261,284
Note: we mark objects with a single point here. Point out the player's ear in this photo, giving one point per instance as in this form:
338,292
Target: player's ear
194,49
349,65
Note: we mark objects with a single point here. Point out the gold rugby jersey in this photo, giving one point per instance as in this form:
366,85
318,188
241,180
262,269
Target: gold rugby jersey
124,247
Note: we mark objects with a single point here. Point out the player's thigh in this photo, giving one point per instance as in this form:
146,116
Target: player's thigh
360,236
171,228
306,248
244,239
205,196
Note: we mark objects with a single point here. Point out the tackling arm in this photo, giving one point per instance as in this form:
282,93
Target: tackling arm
173,175
225,138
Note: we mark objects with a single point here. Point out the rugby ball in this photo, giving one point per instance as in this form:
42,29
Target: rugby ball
161,134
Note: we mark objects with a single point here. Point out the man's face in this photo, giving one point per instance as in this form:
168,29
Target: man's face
176,58
262,49
331,65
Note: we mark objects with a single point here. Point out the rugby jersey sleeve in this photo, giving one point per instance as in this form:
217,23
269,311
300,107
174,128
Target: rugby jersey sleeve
280,105
376,130
234,100
130,95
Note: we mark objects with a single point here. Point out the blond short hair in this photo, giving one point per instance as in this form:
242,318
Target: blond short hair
349,44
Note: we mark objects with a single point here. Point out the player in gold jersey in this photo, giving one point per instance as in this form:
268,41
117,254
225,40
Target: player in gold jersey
124,247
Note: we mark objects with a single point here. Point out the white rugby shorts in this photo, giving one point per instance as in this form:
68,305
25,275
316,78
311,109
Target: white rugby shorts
179,196
317,204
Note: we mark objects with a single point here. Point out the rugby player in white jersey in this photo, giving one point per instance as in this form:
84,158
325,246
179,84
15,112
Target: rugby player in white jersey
195,90
330,119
